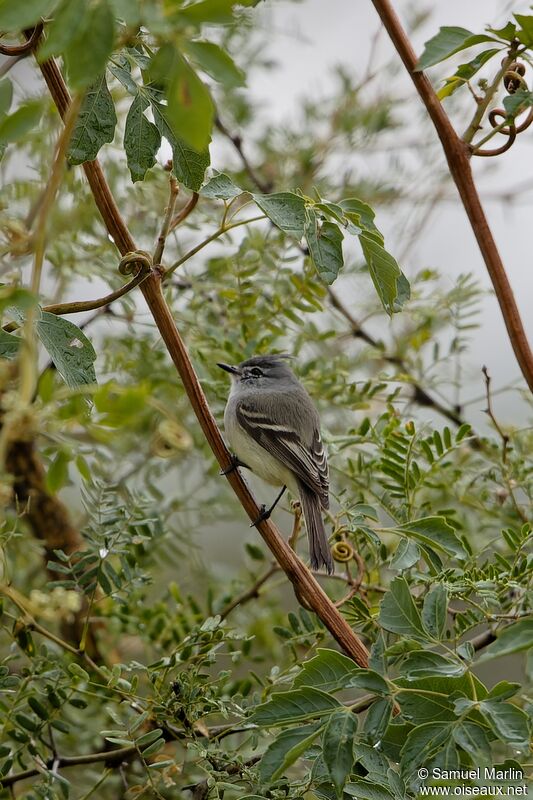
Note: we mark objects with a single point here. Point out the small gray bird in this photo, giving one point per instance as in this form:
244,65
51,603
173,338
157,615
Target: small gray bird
274,429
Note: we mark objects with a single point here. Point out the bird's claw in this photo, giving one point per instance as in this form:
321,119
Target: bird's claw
263,515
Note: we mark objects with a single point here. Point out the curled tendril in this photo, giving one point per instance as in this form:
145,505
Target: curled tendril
342,551
513,80
22,49
136,260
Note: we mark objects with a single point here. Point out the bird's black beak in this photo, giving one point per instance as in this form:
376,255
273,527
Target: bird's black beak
229,368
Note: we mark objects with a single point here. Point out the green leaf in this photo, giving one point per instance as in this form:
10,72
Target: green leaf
434,611
446,42
398,612
220,187
87,53
214,11
525,33
216,62
9,344
516,103
324,240
6,96
142,140
78,671
367,790
407,553
433,532
361,214
465,72
68,18
285,750
422,744
190,111
285,209
377,719
69,348
328,671
16,16
509,723
503,690
513,639
337,746
26,118
122,72
383,269
95,124
188,165
147,738
293,706
473,739
422,664
57,474
368,680
508,31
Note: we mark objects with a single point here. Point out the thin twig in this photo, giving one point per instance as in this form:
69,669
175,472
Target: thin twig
303,581
236,141
185,211
251,593
458,156
490,91
166,227
489,410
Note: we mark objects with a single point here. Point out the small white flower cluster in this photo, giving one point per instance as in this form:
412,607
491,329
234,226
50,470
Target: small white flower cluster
59,602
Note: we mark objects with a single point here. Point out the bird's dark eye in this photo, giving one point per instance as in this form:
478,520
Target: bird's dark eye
256,372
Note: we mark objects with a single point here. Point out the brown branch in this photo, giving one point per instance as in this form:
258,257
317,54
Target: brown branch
236,141
166,227
250,593
109,757
458,156
185,211
303,581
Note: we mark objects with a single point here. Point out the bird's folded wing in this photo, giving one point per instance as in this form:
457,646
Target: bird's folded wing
309,464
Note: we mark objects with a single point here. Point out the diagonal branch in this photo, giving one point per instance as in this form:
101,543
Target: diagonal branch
458,154
305,585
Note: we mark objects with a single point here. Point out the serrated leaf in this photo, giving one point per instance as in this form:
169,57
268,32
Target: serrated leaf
69,348
216,62
398,612
446,42
422,744
188,165
285,750
383,270
337,747
434,532
294,706
324,239
16,16
220,187
87,53
434,611
142,140
285,210
68,18
328,671
95,124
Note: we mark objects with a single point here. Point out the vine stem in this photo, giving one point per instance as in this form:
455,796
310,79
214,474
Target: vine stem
304,583
457,153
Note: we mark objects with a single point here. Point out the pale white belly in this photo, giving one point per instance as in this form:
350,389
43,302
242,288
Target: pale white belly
257,458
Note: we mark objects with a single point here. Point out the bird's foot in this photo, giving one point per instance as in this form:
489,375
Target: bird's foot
263,515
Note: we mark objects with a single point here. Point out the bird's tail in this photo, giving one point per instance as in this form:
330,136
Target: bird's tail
318,542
